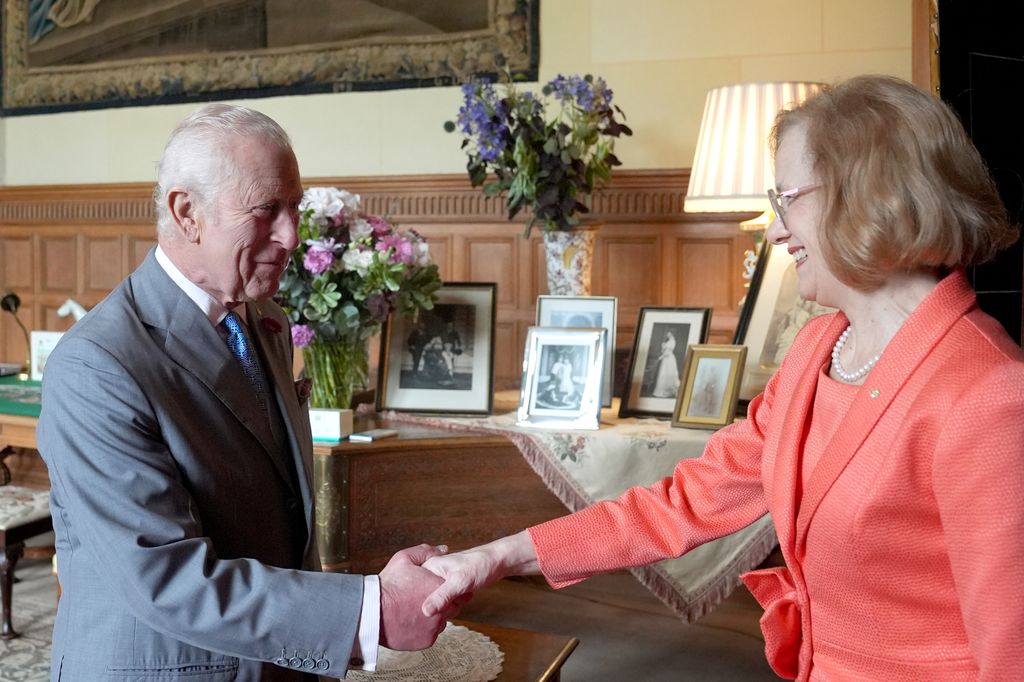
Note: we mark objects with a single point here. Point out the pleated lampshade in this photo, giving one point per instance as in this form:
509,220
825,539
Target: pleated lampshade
732,167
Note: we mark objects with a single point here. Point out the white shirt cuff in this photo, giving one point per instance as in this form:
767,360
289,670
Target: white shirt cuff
364,648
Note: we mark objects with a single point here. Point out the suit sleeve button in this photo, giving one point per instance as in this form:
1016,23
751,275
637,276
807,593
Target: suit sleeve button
323,664
295,662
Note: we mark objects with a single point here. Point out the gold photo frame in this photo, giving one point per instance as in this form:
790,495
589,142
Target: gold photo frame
711,386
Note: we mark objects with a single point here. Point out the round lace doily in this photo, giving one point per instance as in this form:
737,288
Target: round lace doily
460,655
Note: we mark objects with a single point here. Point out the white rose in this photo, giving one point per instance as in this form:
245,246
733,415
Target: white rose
357,261
328,202
359,229
421,253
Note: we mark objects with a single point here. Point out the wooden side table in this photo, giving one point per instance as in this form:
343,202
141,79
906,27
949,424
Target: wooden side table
426,485
529,656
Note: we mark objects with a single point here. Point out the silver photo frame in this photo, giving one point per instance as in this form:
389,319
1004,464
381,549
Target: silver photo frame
584,311
563,371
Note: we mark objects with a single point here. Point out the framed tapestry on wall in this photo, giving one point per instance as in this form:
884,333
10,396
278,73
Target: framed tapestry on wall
91,54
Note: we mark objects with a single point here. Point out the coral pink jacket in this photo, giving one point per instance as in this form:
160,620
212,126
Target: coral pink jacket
905,552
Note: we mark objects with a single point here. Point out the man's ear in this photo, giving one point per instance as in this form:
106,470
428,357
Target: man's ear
183,210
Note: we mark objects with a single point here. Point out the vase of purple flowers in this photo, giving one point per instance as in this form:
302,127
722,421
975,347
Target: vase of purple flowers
545,153
350,271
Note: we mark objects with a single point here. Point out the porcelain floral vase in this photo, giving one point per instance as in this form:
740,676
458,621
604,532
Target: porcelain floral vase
570,258
338,369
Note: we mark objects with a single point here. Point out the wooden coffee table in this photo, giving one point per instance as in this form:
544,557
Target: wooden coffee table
529,656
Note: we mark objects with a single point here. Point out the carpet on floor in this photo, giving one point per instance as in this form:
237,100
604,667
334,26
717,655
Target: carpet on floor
27,658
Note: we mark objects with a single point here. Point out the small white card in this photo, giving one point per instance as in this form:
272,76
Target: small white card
330,425
42,344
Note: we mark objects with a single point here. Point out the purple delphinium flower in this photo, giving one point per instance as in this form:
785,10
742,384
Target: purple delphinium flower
302,335
589,95
320,256
402,252
483,118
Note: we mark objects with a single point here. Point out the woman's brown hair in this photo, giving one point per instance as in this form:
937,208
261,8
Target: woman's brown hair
903,187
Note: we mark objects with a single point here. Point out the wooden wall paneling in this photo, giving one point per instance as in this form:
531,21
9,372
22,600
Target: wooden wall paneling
16,256
441,251
507,353
58,264
79,241
494,259
705,279
137,244
102,265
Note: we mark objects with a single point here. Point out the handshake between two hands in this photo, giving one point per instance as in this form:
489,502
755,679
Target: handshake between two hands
422,587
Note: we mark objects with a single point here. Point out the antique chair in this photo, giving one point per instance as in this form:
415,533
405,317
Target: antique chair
24,514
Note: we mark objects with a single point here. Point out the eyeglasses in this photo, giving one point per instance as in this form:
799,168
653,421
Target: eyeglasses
778,206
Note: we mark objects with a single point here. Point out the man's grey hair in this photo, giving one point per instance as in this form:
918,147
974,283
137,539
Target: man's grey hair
198,155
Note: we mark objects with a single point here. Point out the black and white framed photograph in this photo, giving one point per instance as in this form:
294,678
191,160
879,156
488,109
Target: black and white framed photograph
441,360
656,364
710,386
770,318
584,311
563,372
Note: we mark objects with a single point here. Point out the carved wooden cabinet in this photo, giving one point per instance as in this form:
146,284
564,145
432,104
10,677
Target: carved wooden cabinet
427,485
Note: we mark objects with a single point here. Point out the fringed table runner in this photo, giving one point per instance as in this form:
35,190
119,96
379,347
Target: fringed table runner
583,467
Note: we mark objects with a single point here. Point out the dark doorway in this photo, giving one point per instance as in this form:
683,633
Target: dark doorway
981,70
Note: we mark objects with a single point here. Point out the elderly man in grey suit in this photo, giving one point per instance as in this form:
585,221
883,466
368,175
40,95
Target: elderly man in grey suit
180,454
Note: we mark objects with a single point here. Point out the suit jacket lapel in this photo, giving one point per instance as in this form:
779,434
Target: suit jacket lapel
791,438
193,343
274,353
925,327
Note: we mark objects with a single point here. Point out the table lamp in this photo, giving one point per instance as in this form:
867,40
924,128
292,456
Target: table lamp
732,166
11,302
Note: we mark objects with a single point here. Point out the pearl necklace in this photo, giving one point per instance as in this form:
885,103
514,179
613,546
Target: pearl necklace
837,365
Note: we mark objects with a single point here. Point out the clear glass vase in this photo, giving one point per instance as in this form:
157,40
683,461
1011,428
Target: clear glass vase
338,369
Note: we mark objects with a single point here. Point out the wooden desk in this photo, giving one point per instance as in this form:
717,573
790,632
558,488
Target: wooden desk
426,485
529,656
18,458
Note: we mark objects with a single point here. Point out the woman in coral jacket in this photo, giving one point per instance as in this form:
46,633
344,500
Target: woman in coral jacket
889,446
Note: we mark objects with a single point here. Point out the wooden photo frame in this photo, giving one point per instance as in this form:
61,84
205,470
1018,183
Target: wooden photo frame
584,311
710,387
441,360
563,372
139,52
659,351
770,318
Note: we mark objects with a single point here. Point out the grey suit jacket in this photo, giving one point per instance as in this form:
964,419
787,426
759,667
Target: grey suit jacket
175,514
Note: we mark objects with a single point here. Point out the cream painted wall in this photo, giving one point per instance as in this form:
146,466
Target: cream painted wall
659,56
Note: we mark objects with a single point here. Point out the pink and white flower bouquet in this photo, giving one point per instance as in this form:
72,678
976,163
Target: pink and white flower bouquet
351,270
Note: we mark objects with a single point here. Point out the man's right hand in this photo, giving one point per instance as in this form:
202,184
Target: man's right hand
404,585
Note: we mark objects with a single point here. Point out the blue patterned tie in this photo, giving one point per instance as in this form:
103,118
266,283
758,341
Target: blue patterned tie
243,351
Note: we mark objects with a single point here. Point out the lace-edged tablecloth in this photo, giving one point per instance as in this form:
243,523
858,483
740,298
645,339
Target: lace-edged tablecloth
460,655
583,467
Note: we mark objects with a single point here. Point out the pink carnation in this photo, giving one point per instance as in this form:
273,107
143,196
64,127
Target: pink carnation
402,248
320,256
302,335
381,227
